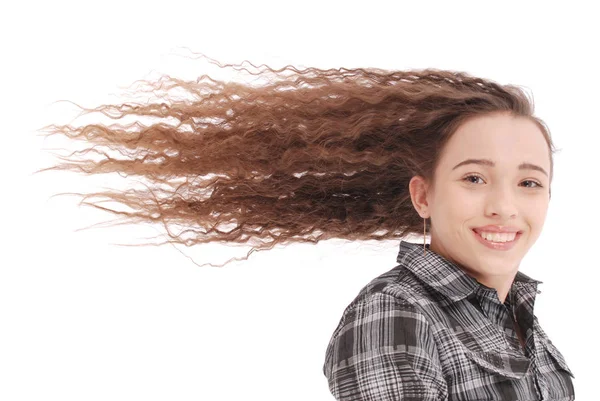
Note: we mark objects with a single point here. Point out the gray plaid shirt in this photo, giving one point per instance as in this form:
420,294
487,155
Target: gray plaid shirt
427,331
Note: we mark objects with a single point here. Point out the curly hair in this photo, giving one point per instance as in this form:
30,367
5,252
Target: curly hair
314,155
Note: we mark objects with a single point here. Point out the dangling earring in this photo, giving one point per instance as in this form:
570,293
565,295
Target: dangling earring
424,236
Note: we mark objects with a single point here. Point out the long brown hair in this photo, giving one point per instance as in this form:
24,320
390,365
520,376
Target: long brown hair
313,154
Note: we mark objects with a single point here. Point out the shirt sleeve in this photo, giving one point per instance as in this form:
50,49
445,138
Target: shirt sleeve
383,350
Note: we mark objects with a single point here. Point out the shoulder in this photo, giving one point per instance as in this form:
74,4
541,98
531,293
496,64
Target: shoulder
386,329
398,285
394,298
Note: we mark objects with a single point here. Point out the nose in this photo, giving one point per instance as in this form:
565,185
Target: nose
501,202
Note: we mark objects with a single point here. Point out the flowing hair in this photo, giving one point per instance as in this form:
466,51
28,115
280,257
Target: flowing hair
311,155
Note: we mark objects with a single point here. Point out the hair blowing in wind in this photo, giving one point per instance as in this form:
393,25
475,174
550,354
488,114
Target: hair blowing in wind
311,155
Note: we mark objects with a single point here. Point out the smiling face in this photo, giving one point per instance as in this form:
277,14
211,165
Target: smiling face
474,195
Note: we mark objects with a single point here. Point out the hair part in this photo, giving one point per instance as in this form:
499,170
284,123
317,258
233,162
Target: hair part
315,155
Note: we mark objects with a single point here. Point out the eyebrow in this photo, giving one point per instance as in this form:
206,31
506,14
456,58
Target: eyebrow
487,162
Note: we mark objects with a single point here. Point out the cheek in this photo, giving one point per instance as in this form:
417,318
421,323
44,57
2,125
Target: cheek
454,208
450,218
463,201
538,217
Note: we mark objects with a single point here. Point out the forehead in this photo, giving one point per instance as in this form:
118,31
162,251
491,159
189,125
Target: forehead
505,139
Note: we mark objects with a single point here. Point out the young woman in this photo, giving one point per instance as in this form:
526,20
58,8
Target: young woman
455,319
365,154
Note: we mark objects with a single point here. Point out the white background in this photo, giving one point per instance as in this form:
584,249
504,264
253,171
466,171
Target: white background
81,319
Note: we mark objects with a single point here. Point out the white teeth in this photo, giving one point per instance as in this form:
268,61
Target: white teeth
498,237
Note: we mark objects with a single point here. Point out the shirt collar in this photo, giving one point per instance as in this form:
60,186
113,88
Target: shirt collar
446,277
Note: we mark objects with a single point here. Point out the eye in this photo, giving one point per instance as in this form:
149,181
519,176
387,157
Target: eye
468,178
535,182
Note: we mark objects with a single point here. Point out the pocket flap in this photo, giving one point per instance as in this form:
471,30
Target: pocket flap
501,363
555,354
558,357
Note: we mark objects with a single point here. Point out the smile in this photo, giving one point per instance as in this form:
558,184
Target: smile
499,246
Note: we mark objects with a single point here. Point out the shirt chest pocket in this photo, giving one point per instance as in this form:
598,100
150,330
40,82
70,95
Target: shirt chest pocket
484,349
487,375
555,360
505,364
549,358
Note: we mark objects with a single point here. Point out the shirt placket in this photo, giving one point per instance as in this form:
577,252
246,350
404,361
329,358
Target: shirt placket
526,316
513,326
501,315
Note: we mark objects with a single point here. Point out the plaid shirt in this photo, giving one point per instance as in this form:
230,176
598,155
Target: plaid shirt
427,331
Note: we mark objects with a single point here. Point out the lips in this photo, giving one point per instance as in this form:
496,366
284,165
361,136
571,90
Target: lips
495,229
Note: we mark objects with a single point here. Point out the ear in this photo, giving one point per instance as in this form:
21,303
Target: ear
418,194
